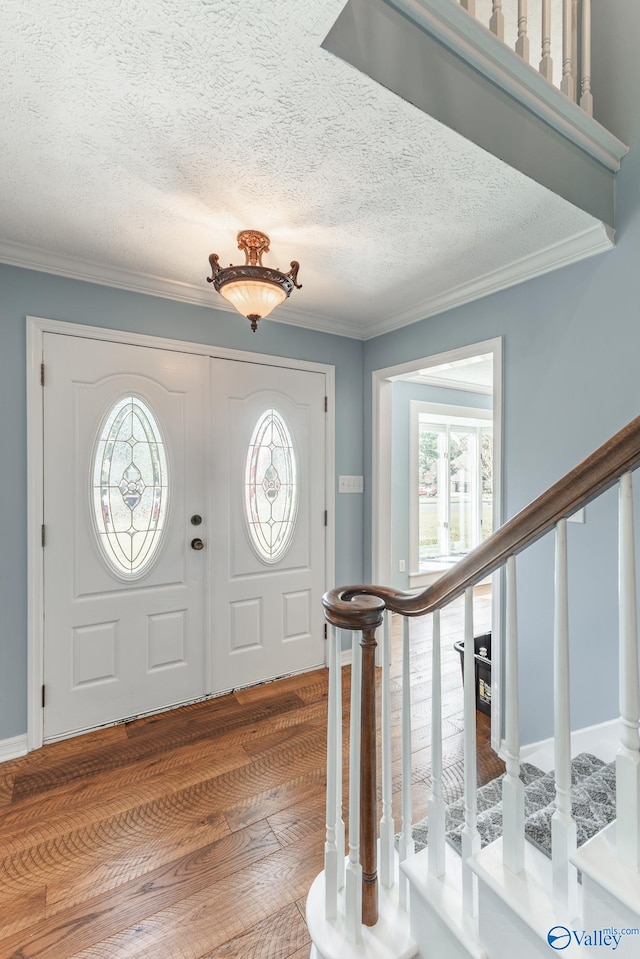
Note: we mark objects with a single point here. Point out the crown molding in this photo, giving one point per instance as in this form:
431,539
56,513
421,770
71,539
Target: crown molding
470,40
598,239
88,271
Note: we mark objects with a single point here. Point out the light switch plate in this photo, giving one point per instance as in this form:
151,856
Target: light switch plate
351,484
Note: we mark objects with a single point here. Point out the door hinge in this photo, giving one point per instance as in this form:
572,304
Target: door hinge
326,404
325,630
326,518
43,695
42,534
42,374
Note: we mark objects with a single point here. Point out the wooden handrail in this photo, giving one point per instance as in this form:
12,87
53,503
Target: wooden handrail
361,607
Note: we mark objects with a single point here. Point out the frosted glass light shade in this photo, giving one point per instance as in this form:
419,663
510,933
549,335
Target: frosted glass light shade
253,297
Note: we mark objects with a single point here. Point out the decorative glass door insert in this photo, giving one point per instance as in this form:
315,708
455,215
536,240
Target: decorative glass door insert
130,486
271,487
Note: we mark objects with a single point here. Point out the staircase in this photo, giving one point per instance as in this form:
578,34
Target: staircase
532,863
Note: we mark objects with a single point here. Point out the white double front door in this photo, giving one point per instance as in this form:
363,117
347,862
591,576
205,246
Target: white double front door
184,519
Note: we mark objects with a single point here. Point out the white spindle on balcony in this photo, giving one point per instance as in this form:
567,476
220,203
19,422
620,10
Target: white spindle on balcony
406,845
496,24
546,63
568,82
470,835
353,882
512,788
387,830
522,43
628,758
436,805
586,99
563,827
469,5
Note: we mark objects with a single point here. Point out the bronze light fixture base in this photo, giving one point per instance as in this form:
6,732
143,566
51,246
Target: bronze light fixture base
255,290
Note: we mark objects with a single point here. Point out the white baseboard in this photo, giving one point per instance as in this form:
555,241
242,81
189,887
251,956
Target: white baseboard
602,739
13,748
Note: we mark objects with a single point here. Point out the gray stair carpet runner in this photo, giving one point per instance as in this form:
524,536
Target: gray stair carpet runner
593,785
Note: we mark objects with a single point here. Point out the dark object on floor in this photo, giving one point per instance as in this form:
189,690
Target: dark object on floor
482,650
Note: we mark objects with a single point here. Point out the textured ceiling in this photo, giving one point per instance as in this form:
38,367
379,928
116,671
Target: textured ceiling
136,137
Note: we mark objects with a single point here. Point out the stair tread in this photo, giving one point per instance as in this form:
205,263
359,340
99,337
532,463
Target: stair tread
593,804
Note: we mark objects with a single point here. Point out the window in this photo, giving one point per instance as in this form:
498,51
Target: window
271,487
130,486
451,485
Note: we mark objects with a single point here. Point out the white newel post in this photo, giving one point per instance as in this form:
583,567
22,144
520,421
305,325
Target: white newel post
353,882
563,827
436,805
386,822
546,63
568,82
628,758
406,845
522,43
586,99
333,772
470,835
512,787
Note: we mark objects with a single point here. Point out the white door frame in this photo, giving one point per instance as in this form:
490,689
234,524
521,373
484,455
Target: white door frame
381,436
36,328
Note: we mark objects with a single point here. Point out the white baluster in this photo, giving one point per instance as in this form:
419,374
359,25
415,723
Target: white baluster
469,5
522,43
406,845
470,835
496,23
563,827
586,99
436,806
330,846
338,702
512,788
574,43
568,82
628,758
546,63
353,890
387,829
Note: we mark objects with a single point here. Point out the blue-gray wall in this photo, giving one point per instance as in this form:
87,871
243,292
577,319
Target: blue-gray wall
402,395
24,293
571,380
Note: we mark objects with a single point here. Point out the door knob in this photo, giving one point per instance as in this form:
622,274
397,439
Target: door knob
197,544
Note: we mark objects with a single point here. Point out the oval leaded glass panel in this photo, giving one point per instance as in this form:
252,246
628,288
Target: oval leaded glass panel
271,487
130,486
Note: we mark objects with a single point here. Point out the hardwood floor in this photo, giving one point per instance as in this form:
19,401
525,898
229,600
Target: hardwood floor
195,834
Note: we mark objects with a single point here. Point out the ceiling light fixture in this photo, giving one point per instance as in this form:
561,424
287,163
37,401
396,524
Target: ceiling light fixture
255,290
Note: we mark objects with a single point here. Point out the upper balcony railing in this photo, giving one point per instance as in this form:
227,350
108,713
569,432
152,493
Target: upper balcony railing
562,25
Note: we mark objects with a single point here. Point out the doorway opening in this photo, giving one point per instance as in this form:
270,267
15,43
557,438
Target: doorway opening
437,470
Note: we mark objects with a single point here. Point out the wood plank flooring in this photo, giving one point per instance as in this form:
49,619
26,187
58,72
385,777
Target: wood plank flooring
196,834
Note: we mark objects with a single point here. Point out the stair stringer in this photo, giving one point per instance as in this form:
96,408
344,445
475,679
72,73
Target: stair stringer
611,890
516,912
435,909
